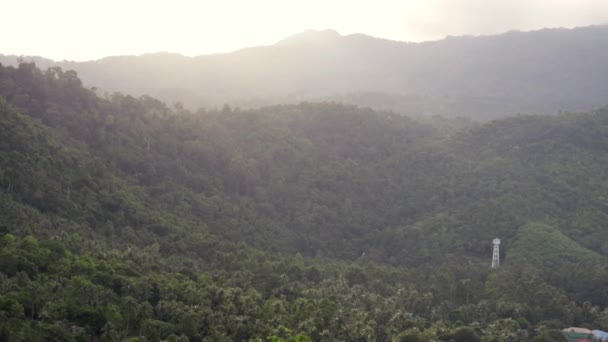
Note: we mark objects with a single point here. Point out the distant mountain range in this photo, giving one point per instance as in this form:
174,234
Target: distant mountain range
484,77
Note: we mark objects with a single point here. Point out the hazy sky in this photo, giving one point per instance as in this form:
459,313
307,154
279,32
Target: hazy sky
89,29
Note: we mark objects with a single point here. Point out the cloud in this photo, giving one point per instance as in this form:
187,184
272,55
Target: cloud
461,17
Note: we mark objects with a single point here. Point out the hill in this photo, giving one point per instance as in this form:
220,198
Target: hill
486,77
123,217
540,244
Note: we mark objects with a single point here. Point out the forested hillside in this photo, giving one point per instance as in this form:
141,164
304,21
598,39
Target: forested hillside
486,77
123,217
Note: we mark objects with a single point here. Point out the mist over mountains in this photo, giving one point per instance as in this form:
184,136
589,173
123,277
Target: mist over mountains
486,77
126,218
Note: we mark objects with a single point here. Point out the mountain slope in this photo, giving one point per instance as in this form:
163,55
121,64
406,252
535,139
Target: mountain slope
323,178
484,77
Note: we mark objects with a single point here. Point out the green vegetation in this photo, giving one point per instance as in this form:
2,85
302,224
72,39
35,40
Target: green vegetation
123,218
545,246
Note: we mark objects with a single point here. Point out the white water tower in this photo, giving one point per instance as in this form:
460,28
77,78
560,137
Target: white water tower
496,253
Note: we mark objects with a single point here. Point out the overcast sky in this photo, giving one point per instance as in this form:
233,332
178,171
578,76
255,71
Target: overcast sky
90,29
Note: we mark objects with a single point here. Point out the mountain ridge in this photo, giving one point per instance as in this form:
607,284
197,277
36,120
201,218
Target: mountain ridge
332,32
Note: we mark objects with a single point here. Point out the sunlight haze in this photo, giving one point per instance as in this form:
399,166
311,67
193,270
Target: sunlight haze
83,30
304,170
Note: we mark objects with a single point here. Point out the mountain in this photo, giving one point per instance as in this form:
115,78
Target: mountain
485,77
122,217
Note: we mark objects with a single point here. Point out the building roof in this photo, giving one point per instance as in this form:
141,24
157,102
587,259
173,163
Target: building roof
577,330
599,333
